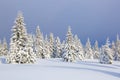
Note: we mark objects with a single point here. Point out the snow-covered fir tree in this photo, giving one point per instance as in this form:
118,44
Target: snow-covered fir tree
63,47
117,54
113,48
34,40
69,52
46,49
57,48
39,43
88,50
19,51
96,51
106,53
30,49
79,48
51,44
4,47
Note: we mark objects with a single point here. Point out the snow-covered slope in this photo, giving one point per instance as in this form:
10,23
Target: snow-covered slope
55,69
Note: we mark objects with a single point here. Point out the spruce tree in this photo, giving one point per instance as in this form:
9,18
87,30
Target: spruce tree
79,48
96,51
114,52
30,49
69,52
88,50
19,52
57,48
106,53
51,45
63,48
4,48
46,49
39,43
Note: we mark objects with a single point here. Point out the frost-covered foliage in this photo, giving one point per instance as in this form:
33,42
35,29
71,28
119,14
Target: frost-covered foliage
62,47
39,43
57,48
3,48
96,51
114,52
106,53
79,50
25,48
69,52
30,49
51,44
42,46
88,50
46,49
20,47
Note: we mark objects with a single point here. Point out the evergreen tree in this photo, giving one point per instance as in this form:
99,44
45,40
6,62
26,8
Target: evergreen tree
96,50
51,44
57,48
30,49
4,48
19,43
114,53
46,48
69,52
88,50
63,48
34,41
39,43
106,54
79,48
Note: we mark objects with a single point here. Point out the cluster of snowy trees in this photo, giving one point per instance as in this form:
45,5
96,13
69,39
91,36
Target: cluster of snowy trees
26,48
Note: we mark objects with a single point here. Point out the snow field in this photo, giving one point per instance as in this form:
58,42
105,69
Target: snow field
55,69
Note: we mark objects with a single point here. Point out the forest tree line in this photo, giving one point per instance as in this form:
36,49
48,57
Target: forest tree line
27,48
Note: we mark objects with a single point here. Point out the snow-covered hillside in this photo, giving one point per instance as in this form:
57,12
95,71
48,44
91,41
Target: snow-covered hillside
55,69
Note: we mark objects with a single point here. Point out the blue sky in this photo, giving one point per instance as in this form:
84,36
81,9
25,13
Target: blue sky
95,19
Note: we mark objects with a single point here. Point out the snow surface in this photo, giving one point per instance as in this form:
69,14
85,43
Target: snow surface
55,69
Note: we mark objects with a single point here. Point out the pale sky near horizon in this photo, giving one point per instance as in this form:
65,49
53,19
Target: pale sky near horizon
96,19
